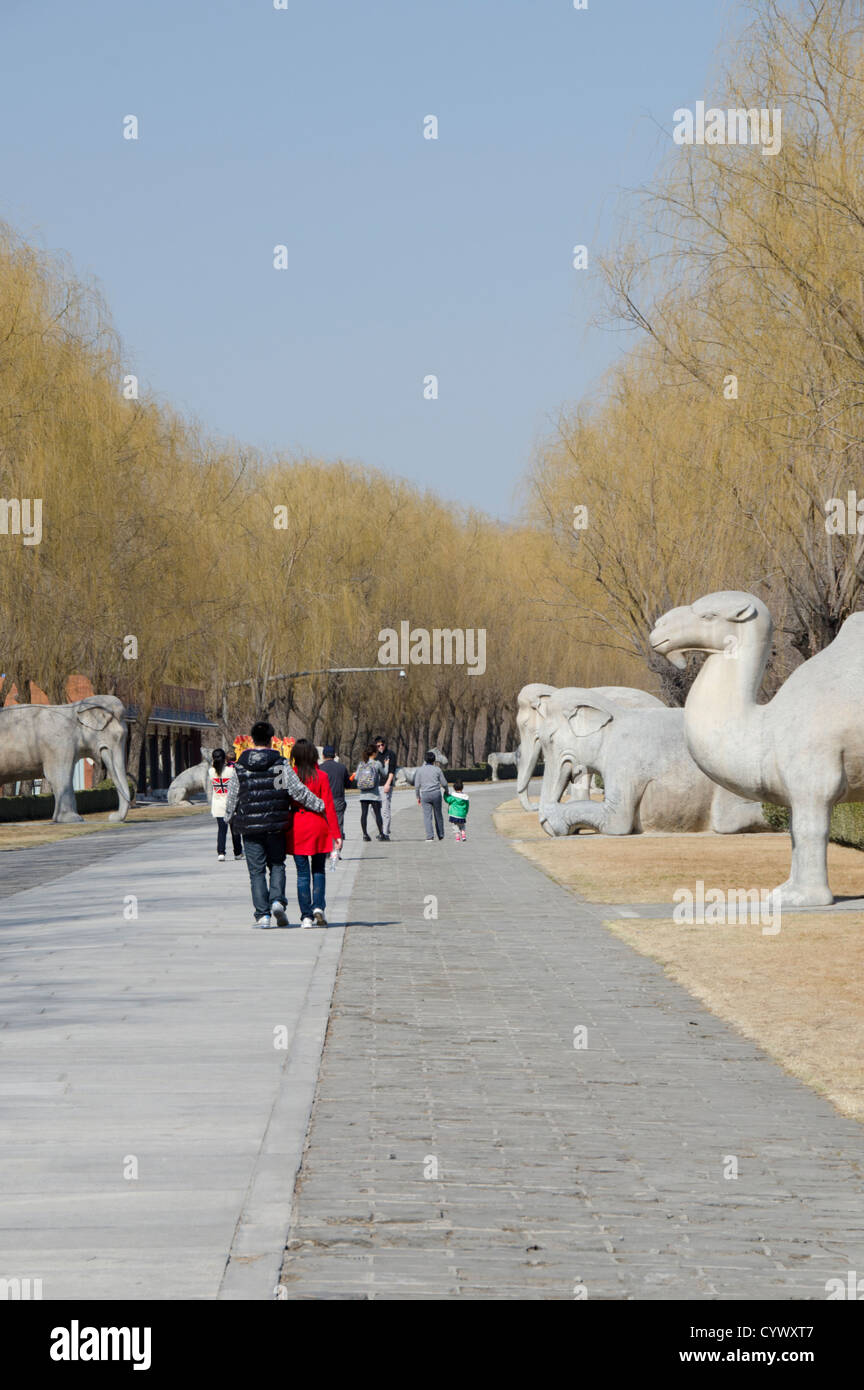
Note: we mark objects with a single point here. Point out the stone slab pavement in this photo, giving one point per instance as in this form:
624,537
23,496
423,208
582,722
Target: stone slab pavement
156,1071
461,1146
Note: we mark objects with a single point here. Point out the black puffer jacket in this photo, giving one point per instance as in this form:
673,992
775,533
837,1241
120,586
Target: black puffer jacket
263,796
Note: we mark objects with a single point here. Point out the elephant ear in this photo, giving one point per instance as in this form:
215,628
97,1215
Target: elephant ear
587,719
94,717
539,703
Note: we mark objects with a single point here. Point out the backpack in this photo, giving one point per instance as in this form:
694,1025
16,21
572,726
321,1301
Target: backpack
367,777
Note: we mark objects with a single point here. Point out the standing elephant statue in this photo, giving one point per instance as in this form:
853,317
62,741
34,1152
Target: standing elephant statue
496,760
48,740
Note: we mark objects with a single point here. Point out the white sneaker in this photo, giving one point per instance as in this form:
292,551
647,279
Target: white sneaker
318,914
307,922
281,916
263,922
221,858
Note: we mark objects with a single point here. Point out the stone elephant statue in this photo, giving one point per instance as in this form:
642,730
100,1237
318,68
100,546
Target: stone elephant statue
407,774
534,722
651,782
194,779
48,740
496,760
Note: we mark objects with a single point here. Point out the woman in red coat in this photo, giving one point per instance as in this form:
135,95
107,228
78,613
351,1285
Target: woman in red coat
311,837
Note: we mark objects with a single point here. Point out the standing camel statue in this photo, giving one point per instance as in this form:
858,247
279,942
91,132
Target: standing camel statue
804,749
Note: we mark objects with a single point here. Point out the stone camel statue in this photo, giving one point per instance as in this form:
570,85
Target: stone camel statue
48,740
531,717
194,779
650,780
804,749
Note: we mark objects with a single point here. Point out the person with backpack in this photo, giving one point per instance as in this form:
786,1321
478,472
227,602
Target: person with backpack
367,780
261,800
428,783
310,838
219,776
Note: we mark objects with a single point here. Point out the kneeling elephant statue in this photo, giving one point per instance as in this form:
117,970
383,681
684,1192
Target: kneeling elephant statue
650,780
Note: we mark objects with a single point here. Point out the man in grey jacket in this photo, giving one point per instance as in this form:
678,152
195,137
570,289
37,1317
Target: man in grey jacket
428,783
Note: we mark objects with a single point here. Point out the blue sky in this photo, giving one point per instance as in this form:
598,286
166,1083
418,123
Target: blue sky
406,256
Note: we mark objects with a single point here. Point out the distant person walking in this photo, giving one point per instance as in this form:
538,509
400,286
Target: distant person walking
339,777
220,775
261,800
428,783
387,759
310,838
367,780
458,806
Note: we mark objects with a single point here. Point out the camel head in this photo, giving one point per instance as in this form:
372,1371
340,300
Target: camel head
715,623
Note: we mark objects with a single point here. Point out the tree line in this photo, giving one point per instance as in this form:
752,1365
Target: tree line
725,446
168,556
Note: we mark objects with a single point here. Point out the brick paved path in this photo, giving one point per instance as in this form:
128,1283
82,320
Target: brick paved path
451,1042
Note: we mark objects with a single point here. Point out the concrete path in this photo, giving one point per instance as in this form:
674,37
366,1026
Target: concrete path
156,1072
462,1147
21,868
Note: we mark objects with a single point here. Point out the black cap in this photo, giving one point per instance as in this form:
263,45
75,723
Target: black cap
329,750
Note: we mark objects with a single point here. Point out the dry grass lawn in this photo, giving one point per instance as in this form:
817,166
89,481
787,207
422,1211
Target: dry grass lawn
799,994
23,834
648,868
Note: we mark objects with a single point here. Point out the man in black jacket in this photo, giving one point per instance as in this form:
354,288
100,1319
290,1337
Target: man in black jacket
338,776
387,759
260,801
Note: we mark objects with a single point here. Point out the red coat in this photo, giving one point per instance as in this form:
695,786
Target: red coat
310,833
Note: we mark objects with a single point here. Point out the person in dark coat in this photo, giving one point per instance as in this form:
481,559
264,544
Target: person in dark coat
261,799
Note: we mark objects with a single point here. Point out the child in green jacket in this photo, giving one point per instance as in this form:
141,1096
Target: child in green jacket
457,805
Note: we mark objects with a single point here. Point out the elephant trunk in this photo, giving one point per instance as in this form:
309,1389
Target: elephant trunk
555,780
528,756
116,759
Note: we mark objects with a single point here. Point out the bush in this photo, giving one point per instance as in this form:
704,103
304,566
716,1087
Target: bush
776,816
14,808
847,822
107,785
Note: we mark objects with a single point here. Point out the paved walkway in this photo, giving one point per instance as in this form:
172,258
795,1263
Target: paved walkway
461,1147
149,1046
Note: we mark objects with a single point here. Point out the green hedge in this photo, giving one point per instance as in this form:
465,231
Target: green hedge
42,807
847,822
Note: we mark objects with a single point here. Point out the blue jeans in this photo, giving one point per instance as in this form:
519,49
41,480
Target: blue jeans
318,882
263,852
